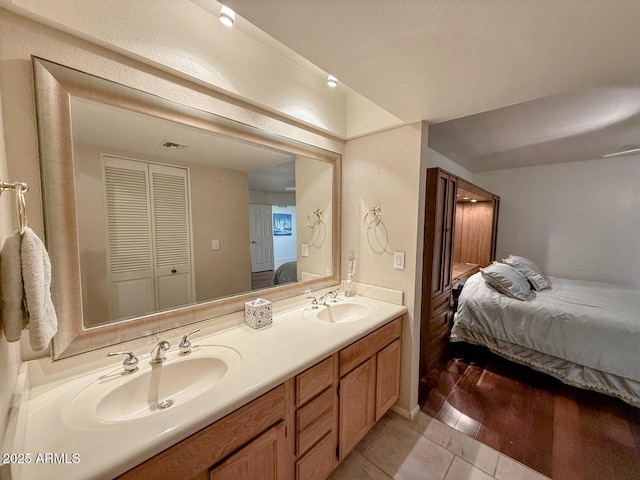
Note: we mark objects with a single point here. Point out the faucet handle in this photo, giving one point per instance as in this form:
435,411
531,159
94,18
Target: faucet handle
314,302
185,345
130,363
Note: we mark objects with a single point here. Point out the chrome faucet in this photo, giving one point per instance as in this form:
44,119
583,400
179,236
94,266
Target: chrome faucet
329,295
130,363
158,352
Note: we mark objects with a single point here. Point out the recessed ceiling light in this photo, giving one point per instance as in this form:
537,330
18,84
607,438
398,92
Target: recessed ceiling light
624,151
227,16
332,81
290,189
465,198
473,200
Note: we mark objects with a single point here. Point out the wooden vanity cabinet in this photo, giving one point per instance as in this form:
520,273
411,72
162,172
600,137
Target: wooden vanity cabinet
301,429
254,438
369,383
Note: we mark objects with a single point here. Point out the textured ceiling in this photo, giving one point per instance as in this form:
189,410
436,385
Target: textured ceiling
559,79
436,60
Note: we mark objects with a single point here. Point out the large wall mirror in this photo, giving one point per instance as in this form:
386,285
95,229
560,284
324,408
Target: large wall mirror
158,214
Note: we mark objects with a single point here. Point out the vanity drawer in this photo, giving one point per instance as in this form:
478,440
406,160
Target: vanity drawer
319,461
358,352
314,380
314,420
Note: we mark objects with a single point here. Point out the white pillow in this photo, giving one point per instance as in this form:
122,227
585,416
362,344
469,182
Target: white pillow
507,280
538,282
523,265
529,270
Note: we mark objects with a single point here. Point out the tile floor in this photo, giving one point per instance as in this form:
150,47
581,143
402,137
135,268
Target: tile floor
426,449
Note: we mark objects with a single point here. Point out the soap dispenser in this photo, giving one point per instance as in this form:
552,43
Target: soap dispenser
349,290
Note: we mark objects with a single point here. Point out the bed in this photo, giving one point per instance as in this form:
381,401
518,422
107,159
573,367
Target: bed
286,273
587,334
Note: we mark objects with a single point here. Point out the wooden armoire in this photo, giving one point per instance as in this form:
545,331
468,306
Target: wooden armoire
460,229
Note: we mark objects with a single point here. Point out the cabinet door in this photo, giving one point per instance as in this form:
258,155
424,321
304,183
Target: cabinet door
357,405
264,458
449,227
441,205
387,378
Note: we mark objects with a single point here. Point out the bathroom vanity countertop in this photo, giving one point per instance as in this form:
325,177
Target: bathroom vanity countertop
270,356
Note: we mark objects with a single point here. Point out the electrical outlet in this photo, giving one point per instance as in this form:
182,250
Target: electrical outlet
215,244
398,260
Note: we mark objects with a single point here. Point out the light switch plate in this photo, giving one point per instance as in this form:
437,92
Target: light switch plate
398,260
304,250
215,244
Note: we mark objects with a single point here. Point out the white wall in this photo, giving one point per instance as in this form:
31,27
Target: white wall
314,187
9,352
384,169
285,247
576,220
435,159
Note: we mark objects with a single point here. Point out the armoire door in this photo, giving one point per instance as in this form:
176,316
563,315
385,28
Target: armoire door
443,223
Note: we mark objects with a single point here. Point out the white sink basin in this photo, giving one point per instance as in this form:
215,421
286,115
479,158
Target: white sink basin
153,389
344,311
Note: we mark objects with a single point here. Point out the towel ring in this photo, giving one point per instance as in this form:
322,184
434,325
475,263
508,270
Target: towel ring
311,223
20,188
373,217
22,206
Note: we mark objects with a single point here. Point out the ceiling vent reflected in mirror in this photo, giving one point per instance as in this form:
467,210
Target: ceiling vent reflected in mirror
174,145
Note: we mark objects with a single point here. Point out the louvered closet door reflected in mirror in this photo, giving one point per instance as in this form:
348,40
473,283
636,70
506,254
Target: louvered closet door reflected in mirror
149,236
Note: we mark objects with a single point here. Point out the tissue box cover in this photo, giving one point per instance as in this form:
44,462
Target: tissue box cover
257,313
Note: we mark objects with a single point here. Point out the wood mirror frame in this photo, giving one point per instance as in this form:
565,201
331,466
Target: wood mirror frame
54,85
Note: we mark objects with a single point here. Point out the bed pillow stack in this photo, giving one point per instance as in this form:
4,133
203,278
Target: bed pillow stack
507,280
527,269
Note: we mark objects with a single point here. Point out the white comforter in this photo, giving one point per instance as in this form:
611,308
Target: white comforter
593,324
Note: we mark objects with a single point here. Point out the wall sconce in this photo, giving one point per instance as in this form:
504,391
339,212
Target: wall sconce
332,81
227,16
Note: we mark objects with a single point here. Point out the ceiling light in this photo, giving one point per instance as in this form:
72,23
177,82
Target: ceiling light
290,189
624,151
473,200
332,81
227,16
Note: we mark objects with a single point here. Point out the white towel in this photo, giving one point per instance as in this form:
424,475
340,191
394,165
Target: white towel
13,315
36,277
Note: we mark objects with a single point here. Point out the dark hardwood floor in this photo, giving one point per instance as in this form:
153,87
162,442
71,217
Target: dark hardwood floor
562,432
